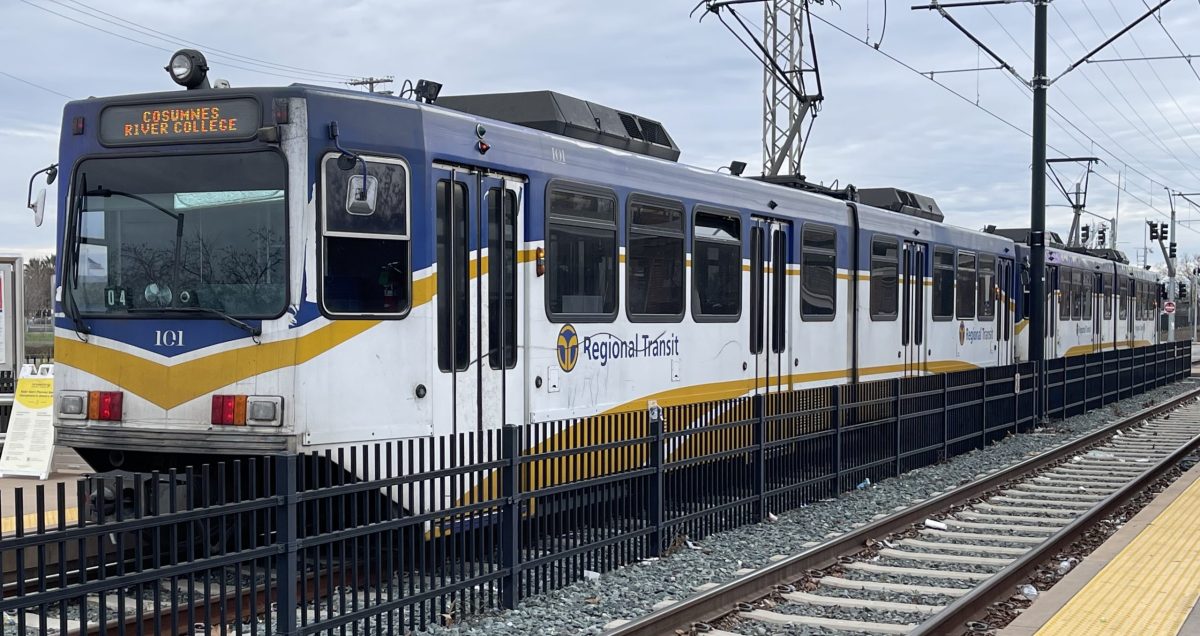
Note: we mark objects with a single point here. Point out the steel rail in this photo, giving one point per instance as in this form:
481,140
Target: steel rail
722,600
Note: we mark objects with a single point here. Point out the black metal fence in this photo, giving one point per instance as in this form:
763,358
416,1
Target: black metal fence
396,536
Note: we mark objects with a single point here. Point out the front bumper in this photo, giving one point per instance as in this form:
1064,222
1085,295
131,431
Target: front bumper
226,441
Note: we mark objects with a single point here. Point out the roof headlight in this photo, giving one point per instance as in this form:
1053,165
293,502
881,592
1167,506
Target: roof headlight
189,69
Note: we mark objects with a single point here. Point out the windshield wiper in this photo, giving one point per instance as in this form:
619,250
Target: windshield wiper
72,235
250,329
178,216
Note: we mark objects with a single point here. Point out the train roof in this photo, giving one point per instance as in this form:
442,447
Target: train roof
596,163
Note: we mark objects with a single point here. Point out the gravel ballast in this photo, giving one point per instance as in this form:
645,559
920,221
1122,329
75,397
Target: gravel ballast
585,607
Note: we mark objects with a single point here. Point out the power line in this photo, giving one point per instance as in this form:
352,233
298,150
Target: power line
35,85
1185,56
148,44
124,22
987,111
1140,86
1161,143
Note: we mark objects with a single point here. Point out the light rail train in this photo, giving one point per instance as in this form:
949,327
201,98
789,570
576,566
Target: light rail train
262,270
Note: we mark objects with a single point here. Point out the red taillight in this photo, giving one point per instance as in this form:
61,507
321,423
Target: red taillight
229,410
105,405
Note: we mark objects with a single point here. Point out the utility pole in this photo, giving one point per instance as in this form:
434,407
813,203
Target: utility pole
371,82
1037,208
1040,84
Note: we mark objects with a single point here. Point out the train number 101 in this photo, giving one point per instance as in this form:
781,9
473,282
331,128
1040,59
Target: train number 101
168,338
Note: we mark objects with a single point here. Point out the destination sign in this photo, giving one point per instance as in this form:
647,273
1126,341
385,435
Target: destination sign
212,120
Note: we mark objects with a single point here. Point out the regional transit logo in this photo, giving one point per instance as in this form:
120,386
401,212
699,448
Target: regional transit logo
568,347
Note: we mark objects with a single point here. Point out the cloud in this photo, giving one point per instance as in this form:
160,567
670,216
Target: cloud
880,124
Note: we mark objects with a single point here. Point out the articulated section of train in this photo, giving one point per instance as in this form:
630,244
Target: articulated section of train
247,271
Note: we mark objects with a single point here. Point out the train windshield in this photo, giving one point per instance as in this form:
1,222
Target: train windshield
160,234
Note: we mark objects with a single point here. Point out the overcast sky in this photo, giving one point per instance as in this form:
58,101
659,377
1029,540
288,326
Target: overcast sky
880,124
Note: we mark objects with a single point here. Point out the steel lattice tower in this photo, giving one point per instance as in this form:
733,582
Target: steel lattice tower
785,102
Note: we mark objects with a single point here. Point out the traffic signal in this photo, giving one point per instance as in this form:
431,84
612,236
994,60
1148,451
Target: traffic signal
1171,250
1162,231
1162,291
1182,291
1083,236
1101,236
1153,231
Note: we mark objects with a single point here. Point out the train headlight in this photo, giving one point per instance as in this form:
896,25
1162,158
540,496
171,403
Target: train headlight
71,405
189,69
262,411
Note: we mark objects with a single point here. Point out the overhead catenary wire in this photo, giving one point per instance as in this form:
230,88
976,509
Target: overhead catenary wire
1104,97
1064,121
34,84
1162,145
1185,56
1166,89
292,76
982,108
123,21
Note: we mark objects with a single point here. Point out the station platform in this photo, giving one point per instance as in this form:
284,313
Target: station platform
1143,581
67,467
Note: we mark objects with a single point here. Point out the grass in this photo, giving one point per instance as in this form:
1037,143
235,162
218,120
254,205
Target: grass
39,344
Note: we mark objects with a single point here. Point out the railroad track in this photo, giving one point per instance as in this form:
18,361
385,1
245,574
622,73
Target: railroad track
935,567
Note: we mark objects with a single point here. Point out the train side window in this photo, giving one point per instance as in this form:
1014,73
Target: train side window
885,270
1088,283
818,273
1076,295
502,219
758,250
365,268
453,257
986,302
716,266
943,283
965,292
581,260
1064,294
654,260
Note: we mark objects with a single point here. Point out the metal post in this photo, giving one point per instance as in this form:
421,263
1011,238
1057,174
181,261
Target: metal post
896,406
760,457
654,498
837,440
287,535
1037,234
510,522
1171,273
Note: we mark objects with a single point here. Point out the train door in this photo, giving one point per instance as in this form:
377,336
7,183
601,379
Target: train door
913,314
1004,317
770,242
478,294
1052,303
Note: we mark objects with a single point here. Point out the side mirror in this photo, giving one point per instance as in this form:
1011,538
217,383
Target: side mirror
39,208
39,205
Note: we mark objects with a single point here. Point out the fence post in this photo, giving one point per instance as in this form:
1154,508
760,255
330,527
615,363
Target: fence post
287,533
837,440
896,384
654,497
983,407
760,457
510,522
945,416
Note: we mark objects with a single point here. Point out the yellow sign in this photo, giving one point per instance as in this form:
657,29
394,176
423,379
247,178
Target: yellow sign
29,443
35,393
